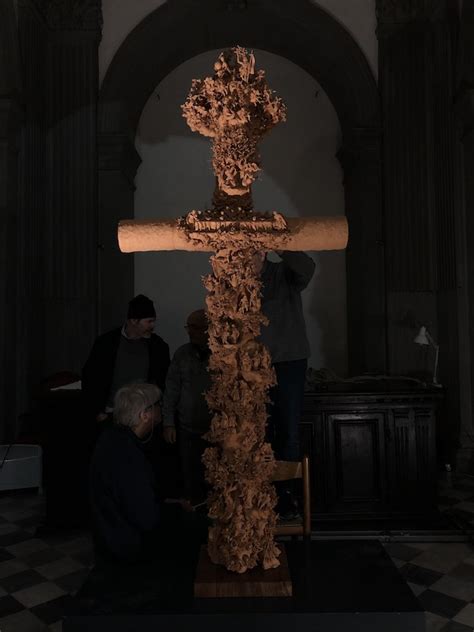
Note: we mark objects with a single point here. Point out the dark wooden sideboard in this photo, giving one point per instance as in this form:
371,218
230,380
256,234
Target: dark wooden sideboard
372,451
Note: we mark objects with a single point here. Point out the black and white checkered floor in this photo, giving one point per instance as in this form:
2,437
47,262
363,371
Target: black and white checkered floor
39,576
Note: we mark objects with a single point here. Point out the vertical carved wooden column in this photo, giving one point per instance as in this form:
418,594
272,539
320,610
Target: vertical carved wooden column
9,122
70,290
118,163
360,157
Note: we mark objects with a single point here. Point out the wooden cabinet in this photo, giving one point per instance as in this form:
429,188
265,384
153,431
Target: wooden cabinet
372,453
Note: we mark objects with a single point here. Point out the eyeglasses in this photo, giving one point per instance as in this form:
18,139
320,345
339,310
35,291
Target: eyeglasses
157,403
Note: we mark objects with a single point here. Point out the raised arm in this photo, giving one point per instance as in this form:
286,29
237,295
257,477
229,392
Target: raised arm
299,266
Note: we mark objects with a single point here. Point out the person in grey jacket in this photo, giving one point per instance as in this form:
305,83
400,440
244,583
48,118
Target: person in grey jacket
286,339
186,416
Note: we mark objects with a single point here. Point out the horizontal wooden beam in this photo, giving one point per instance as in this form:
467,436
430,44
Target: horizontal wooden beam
305,233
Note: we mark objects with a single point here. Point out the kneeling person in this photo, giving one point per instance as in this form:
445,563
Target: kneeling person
126,510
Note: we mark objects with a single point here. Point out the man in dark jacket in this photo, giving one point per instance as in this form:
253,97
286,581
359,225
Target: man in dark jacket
184,405
130,354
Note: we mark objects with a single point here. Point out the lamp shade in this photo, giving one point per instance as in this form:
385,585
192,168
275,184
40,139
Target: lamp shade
422,338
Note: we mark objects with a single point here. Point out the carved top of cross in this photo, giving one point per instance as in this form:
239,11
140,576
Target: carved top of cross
235,107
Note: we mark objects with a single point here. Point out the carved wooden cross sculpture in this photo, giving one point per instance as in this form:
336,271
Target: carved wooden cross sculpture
235,108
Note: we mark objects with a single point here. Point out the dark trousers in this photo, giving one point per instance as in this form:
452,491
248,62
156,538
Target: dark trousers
285,409
191,448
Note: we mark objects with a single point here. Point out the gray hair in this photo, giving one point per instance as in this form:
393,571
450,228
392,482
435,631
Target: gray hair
131,400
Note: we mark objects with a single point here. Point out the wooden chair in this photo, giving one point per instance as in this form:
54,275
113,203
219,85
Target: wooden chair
289,470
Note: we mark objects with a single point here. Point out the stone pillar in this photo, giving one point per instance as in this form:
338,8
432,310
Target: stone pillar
70,282
465,112
57,269
10,84
360,157
421,198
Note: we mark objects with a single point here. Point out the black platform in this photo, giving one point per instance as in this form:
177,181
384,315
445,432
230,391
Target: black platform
337,585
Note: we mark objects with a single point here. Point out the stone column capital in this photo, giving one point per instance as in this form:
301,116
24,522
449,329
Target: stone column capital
71,15
396,15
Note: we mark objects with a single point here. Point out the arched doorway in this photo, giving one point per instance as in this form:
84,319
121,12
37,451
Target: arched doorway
306,35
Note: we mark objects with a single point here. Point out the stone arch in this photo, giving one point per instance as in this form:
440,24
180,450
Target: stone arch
309,37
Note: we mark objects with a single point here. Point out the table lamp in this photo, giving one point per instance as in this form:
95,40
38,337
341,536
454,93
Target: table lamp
424,338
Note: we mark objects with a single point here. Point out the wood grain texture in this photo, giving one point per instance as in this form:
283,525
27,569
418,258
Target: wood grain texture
213,581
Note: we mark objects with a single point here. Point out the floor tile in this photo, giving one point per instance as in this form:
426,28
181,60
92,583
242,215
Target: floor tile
58,568
56,627
25,548
86,558
42,557
8,527
79,545
54,610
33,596
72,582
434,623
10,567
5,555
398,563
18,581
463,571
443,557
440,604
466,506
419,575
24,621
402,551
454,587
32,521
9,605
454,626
417,589
466,615
447,500
9,539
14,516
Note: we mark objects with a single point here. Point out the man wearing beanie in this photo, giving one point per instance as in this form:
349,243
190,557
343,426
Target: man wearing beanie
128,354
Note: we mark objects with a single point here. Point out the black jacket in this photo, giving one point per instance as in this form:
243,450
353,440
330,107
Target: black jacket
98,371
124,503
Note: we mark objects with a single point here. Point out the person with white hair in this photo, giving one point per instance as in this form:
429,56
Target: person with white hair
126,508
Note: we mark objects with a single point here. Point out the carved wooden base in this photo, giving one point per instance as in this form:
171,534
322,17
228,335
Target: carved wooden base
216,581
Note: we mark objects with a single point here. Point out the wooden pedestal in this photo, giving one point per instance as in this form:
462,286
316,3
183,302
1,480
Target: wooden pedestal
213,580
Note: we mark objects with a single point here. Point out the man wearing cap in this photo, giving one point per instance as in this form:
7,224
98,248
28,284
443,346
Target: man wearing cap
129,354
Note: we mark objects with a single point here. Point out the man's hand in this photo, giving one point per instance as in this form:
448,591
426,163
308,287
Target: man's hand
101,417
182,502
185,504
169,434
